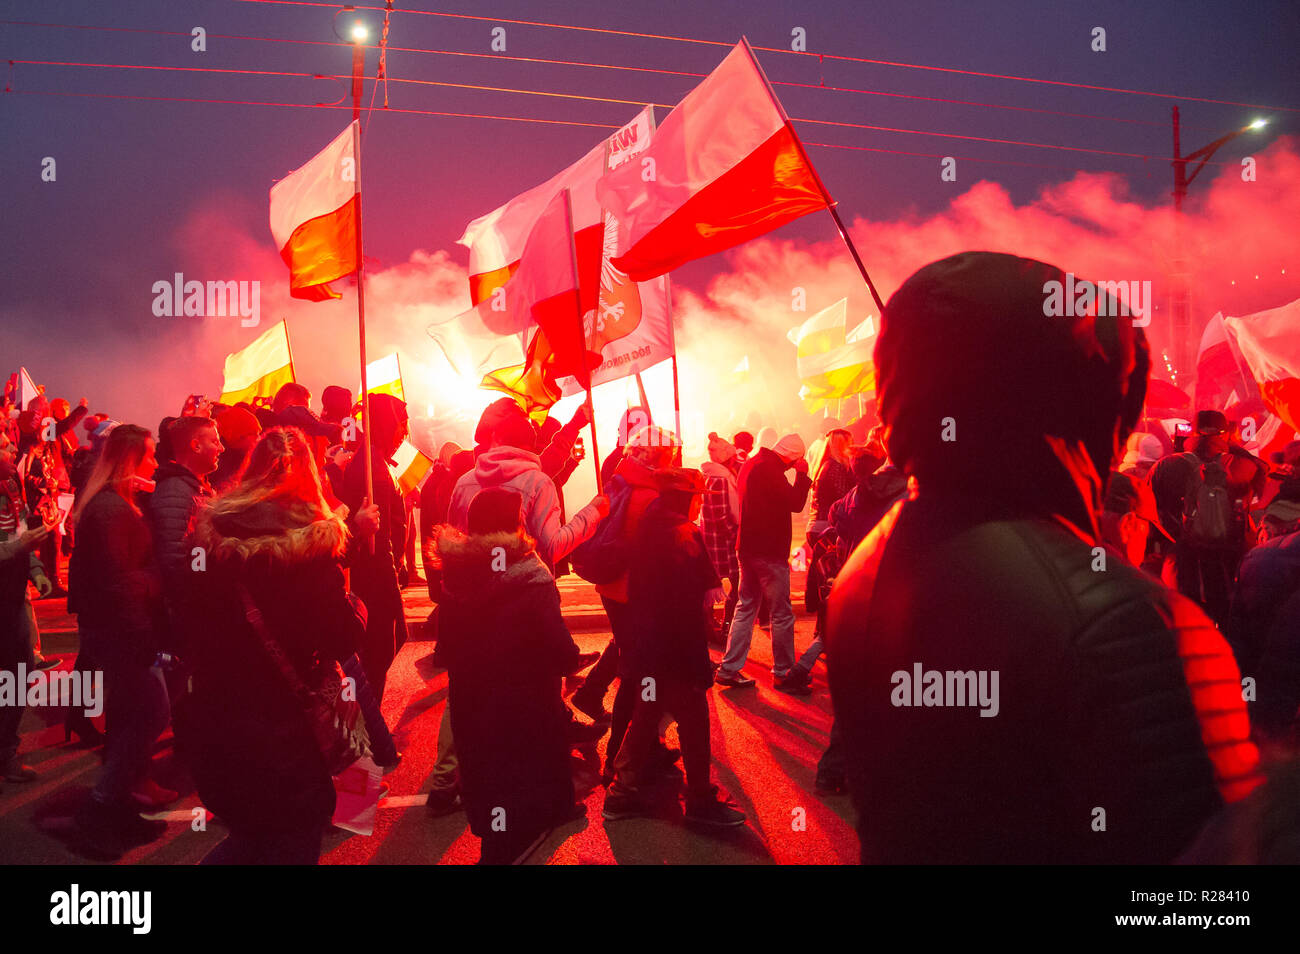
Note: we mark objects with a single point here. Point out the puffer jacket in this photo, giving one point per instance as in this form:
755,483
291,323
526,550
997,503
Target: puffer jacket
176,496
1119,727
513,468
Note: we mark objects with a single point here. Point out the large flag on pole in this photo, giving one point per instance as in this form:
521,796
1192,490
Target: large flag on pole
543,293
724,167
260,369
1270,344
384,376
314,218
834,362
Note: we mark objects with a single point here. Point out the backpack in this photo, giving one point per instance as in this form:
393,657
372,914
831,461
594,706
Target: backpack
605,556
1208,517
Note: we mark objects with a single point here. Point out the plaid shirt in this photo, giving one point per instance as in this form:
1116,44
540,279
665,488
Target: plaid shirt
720,529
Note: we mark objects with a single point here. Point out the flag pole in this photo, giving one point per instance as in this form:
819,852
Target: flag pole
582,333
676,390
640,388
821,187
358,66
288,347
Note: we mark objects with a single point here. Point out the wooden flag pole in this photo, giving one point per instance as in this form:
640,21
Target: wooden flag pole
640,388
358,65
821,187
582,334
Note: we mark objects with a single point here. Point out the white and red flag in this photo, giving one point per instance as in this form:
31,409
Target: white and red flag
724,167
1270,344
314,212
496,240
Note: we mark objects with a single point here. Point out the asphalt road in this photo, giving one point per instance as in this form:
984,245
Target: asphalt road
765,749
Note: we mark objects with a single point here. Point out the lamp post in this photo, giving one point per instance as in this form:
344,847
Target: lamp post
1184,356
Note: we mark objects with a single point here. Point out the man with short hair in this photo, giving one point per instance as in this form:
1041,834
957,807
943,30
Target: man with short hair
767,501
1128,515
179,486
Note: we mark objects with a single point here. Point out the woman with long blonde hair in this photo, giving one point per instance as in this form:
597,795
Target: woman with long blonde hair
116,593
272,545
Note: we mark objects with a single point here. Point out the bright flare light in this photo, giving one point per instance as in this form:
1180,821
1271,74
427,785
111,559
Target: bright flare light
1259,124
359,32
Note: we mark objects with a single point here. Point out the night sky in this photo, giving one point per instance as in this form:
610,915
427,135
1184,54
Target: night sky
146,188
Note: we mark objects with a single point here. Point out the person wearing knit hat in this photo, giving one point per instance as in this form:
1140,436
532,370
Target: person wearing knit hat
1006,418
665,643
506,649
767,501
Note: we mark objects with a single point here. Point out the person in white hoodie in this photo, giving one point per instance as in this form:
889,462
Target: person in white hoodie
511,461
720,518
507,459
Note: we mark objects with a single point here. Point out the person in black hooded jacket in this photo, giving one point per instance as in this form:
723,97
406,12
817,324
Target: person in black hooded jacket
242,731
1005,695
506,649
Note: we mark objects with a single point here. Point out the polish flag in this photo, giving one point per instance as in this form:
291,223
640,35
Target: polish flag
1270,344
542,294
724,167
314,214
409,467
496,240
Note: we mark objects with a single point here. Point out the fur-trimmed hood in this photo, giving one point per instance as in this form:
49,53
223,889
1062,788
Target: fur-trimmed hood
269,531
474,567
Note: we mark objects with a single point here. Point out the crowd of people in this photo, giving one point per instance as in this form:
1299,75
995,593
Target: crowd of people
1137,591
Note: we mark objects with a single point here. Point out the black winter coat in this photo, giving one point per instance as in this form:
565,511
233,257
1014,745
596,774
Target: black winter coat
767,500
668,629
247,742
115,588
176,496
1115,693
506,649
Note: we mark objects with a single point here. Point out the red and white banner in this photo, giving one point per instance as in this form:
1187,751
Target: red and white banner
1270,344
725,167
314,218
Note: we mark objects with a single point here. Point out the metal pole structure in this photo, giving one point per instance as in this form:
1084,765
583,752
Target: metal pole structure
358,67
582,334
1179,319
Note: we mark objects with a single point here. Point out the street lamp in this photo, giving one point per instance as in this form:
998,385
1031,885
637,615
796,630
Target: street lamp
1181,315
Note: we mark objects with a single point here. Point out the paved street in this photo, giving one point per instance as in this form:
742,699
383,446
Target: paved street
765,749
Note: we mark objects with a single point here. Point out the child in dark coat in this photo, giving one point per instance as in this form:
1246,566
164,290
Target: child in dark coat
506,649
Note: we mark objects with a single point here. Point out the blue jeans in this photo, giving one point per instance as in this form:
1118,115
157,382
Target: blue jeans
137,713
761,578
